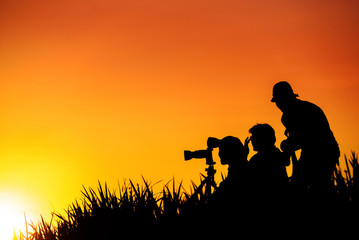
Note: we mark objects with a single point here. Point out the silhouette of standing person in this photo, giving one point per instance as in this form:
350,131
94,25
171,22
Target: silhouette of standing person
307,128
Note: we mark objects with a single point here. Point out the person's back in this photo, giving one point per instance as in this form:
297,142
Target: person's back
308,127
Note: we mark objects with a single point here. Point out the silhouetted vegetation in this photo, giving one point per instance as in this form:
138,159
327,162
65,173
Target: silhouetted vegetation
136,211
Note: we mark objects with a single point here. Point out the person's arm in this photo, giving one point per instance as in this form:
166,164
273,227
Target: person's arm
290,145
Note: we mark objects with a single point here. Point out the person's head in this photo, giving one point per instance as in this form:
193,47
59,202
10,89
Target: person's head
263,137
283,94
231,150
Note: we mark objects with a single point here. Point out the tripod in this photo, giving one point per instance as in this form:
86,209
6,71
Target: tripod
208,181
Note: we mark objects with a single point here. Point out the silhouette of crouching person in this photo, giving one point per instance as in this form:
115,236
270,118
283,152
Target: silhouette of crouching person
230,196
268,165
267,168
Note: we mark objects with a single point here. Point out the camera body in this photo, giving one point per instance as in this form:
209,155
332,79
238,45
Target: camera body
207,153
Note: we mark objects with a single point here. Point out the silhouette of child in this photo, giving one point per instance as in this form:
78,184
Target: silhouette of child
267,166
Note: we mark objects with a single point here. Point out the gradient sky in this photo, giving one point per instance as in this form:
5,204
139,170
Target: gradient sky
115,89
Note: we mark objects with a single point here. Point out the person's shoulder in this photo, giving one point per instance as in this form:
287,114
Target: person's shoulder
306,104
254,158
254,161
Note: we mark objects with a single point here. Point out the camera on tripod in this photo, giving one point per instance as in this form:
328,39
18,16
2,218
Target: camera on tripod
207,153
208,182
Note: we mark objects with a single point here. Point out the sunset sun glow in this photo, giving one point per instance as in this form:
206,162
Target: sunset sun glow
12,216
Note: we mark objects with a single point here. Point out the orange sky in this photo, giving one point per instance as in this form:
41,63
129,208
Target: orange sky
109,90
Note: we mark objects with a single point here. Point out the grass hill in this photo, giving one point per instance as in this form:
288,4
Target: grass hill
135,211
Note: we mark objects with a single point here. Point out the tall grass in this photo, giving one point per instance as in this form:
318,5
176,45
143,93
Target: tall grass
347,180
136,211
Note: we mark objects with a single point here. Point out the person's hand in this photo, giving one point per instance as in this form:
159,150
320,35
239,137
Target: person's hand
246,148
286,147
